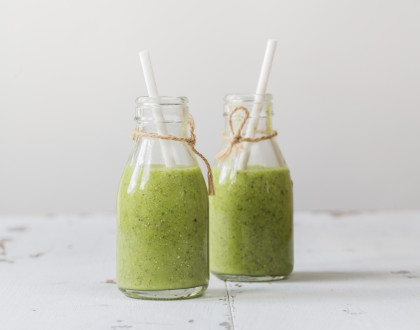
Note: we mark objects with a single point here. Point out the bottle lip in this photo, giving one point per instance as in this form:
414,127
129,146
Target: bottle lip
148,101
248,97
174,109
249,101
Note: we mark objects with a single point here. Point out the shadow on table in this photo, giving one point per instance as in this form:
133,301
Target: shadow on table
334,276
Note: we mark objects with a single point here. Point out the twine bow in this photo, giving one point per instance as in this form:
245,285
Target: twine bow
190,141
236,137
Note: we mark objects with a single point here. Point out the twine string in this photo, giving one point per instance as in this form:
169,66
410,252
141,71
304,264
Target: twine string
236,138
190,141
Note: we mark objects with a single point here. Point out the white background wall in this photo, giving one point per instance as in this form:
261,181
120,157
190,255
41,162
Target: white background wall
345,83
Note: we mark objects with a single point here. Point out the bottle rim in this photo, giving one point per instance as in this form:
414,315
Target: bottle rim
248,101
162,101
247,97
174,109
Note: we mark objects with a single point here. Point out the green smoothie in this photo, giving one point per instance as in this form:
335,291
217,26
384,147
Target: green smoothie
251,223
162,229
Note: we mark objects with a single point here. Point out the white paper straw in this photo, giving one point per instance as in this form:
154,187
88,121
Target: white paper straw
149,77
260,93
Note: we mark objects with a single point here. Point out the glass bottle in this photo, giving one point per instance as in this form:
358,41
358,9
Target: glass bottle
162,211
251,215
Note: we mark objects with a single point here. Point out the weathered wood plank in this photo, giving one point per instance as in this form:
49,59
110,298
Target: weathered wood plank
356,271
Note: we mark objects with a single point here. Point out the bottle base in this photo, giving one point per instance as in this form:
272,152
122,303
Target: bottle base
165,294
246,278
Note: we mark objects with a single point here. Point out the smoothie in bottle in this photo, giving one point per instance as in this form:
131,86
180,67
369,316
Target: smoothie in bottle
251,215
162,212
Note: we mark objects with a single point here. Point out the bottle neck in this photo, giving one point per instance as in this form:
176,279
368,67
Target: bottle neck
164,116
177,129
257,107
260,125
252,115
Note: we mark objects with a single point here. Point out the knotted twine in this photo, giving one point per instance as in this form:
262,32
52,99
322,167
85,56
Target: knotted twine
190,141
236,137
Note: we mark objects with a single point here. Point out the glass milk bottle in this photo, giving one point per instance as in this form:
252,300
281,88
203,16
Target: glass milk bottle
162,211
251,215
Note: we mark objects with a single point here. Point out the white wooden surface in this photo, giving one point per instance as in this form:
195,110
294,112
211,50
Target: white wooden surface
353,271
